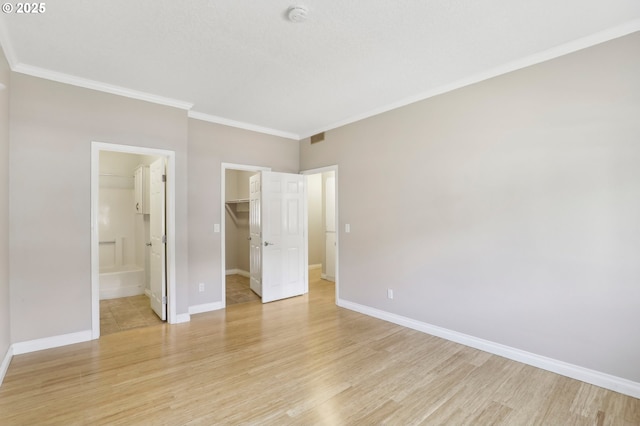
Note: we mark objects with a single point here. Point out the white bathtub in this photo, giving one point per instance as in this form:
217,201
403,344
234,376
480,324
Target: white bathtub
121,281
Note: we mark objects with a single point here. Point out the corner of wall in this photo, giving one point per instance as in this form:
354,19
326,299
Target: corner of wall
4,366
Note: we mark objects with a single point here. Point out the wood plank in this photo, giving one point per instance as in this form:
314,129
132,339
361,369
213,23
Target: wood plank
297,361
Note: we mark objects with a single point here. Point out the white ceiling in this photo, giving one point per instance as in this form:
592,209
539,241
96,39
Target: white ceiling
241,62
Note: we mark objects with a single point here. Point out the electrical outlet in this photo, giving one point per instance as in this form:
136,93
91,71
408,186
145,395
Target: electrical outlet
201,287
390,293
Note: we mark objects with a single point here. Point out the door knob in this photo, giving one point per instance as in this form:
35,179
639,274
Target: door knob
148,244
267,243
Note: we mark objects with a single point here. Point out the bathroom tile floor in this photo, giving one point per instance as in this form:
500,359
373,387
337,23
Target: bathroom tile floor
126,313
238,290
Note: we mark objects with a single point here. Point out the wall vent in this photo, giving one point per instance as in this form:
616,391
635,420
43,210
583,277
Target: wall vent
317,138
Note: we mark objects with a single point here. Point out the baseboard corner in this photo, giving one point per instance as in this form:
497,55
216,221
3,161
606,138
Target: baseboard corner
4,366
180,318
236,271
205,307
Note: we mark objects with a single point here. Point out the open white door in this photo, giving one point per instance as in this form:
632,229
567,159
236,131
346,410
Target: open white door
157,259
283,235
255,235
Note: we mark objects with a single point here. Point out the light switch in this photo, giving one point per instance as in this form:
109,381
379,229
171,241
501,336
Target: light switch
347,228
216,227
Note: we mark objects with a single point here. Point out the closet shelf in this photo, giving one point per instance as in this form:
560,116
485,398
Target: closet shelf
236,207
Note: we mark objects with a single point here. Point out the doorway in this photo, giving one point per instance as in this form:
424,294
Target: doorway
328,263
132,229
322,218
235,232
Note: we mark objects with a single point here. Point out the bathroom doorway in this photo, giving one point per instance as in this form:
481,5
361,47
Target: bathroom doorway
132,193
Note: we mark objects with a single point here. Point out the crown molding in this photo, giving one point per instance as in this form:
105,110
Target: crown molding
546,55
99,86
570,47
241,125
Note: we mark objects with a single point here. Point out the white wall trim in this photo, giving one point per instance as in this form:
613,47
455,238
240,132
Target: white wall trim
4,366
180,318
316,266
51,342
205,307
99,86
236,271
604,380
242,125
536,58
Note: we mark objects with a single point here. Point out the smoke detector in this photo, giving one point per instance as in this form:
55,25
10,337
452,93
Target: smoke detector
297,14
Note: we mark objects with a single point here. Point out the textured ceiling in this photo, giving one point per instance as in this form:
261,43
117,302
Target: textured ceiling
241,62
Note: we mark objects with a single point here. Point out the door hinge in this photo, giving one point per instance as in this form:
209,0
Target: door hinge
164,178
164,239
164,300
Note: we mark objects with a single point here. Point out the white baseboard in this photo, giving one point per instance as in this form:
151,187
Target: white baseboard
206,307
180,318
316,266
116,293
327,278
607,381
240,272
4,366
51,342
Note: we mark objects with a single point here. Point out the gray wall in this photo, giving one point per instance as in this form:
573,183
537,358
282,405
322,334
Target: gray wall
315,213
210,145
507,210
52,126
5,327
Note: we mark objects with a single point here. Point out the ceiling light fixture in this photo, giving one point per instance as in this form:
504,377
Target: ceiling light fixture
297,14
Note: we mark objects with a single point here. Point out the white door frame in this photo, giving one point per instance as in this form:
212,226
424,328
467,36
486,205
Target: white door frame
223,219
306,218
96,148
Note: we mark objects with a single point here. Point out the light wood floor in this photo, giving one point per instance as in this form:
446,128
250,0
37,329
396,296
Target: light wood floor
300,361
